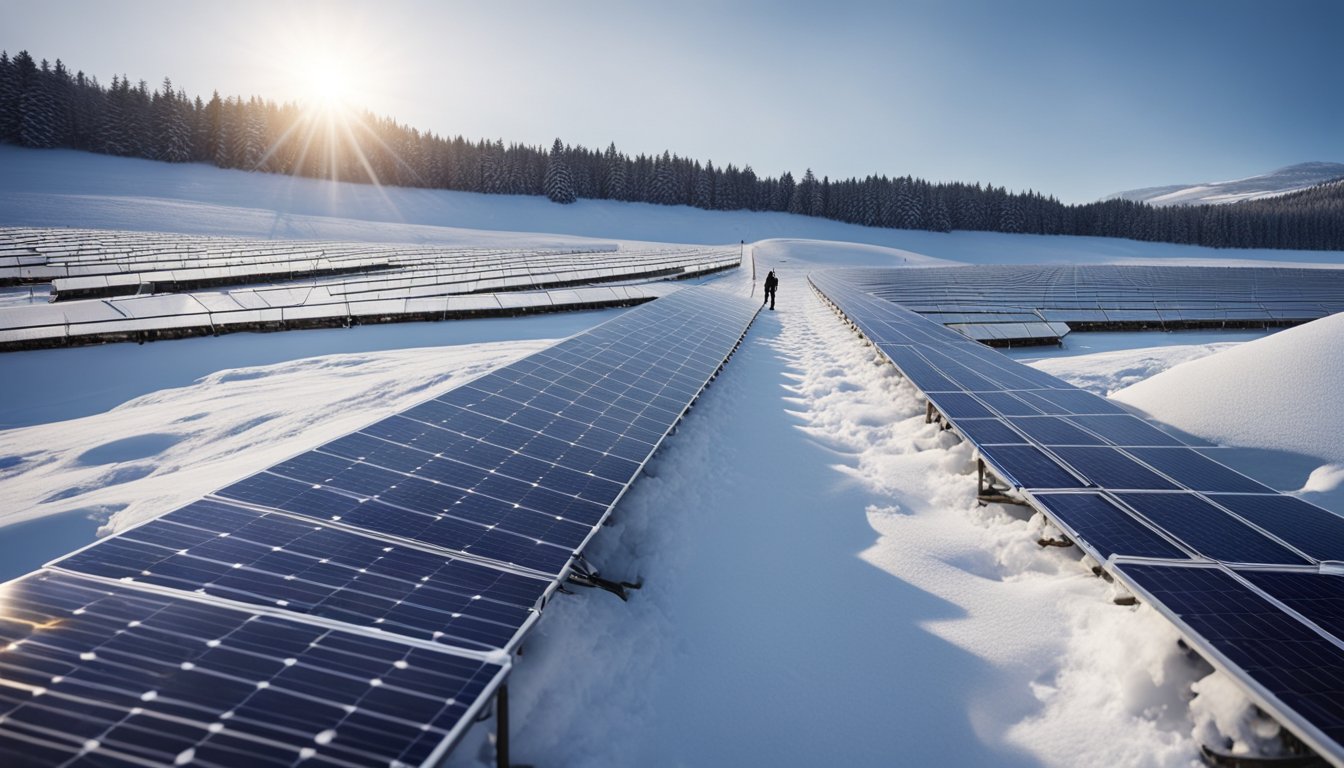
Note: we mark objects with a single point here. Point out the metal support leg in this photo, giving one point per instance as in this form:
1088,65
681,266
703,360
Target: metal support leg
502,726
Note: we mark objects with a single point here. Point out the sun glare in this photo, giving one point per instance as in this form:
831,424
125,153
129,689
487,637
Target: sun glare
324,82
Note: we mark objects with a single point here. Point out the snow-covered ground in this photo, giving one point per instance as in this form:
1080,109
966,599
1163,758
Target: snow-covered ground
821,585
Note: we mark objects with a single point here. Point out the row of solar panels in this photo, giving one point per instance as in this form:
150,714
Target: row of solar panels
170,315
1008,304
45,254
1161,513
357,604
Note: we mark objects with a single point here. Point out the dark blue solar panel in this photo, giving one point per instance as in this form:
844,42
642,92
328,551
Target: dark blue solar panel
1105,529
106,675
1109,468
1026,466
1007,405
1047,407
1301,669
1125,430
272,560
1074,401
963,376
1318,597
988,431
469,529
917,369
1315,531
1052,430
1209,530
959,405
1196,472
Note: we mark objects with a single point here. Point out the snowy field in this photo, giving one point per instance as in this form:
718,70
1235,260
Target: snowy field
821,586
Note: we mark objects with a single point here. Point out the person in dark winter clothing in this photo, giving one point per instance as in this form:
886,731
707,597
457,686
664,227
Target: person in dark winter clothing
771,285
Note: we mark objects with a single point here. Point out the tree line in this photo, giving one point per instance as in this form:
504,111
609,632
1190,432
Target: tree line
44,105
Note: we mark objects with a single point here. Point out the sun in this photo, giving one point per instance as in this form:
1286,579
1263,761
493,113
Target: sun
324,81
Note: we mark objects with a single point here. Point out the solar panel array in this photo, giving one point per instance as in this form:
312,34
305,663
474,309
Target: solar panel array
356,604
1007,304
113,286
1161,513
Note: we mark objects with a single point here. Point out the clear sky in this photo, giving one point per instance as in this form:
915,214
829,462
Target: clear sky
1075,98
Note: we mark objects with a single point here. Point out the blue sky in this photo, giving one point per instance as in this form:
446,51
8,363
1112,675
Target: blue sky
1076,99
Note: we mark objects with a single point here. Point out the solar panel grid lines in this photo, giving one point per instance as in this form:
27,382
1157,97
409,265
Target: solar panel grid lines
1104,528
1310,529
96,673
275,562
1132,493
1208,529
1290,667
265,548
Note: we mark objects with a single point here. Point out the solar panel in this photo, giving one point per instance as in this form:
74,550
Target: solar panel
1196,471
984,432
1104,529
1124,429
1315,531
1208,529
1052,430
387,573
959,405
1110,468
1026,466
471,530
917,369
1007,405
272,560
1294,672
101,674
1075,401
1319,598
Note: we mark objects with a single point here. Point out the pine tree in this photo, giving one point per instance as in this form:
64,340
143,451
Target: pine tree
703,197
172,138
9,98
559,185
664,186
38,109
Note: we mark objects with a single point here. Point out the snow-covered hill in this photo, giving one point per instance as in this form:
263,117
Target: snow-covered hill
1281,392
65,188
1280,182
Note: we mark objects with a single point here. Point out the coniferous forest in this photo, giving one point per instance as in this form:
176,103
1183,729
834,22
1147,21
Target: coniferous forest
44,105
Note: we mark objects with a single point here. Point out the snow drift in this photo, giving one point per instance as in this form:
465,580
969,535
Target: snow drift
1280,392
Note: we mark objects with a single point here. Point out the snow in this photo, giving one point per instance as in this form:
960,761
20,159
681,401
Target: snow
820,584
1280,392
1279,182
73,189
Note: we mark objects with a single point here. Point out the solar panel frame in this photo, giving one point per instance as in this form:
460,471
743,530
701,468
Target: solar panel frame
1097,524
1313,530
209,680
1328,743
260,560
1209,529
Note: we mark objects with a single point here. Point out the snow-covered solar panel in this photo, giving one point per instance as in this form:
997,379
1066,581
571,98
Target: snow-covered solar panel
102,674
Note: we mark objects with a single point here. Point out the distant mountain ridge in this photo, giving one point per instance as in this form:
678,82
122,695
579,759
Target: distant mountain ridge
1280,182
